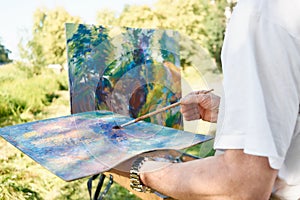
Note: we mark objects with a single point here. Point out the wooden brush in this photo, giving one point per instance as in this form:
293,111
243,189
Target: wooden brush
152,113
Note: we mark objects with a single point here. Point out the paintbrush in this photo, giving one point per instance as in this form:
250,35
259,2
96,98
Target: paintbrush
153,113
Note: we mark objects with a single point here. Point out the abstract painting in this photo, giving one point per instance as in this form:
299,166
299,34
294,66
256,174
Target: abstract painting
84,144
130,71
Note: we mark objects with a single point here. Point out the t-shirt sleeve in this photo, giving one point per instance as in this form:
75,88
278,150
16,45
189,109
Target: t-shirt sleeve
261,93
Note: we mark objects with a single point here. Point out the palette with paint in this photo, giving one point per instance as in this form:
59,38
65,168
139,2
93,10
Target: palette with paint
84,144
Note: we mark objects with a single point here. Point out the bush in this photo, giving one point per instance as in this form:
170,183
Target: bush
23,93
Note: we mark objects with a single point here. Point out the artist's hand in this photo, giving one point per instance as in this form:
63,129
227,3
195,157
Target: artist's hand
197,105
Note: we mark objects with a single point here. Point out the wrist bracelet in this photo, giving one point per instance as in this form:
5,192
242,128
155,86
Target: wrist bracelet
135,181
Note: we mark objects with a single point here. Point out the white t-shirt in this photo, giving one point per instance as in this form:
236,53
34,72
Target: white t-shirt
261,65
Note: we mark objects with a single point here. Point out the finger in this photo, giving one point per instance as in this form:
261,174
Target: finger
189,112
187,107
194,98
187,96
191,116
210,101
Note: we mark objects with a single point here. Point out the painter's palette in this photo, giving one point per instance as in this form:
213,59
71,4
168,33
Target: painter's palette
85,144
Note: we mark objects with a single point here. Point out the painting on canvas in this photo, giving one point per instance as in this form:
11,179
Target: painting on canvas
130,71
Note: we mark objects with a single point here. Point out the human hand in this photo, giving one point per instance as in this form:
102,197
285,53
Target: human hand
198,105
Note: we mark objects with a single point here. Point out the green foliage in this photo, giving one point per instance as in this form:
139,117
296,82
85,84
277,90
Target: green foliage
106,17
201,21
48,44
140,17
216,24
4,52
23,95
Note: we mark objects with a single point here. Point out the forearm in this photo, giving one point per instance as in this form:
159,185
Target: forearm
193,182
209,178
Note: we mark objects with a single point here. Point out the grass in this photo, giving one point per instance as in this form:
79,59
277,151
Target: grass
24,97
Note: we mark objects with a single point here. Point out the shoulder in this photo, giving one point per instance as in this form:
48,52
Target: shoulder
281,13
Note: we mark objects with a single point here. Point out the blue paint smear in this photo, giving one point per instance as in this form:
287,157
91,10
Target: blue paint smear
84,144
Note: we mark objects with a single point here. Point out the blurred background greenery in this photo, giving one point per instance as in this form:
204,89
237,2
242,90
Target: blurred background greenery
30,90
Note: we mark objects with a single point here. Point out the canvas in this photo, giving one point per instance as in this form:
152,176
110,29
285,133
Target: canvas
130,71
85,144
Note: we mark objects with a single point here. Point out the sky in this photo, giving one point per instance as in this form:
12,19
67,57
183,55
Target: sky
16,16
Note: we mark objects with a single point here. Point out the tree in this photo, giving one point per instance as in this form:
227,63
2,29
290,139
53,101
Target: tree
106,17
4,54
48,43
140,17
202,21
215,24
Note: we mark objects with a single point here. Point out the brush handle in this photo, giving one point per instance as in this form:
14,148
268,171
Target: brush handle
151,114
156,112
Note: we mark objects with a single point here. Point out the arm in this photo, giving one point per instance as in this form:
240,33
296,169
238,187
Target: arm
233,175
